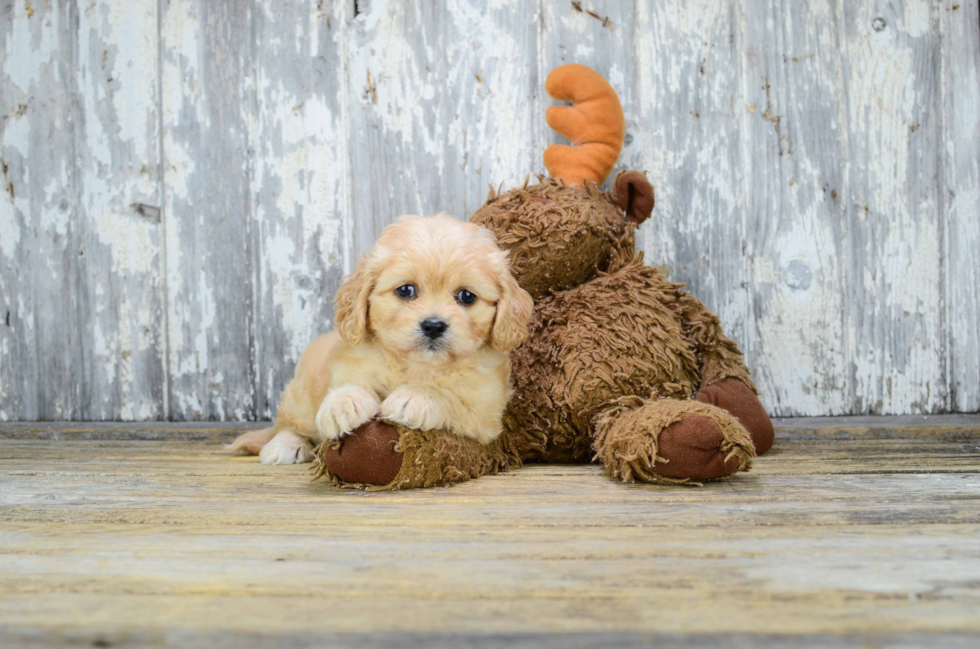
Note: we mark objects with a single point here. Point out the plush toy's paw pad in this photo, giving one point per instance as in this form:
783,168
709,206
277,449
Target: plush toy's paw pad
366,456
412,410
692,448
739,399
287,448
344,409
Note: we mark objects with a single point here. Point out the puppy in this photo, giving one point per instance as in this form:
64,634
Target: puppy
422,332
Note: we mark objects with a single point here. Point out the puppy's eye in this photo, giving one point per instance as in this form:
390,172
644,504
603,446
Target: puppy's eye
406,292
464,297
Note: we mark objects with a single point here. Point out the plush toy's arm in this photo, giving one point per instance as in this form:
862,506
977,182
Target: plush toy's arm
718,357
382,456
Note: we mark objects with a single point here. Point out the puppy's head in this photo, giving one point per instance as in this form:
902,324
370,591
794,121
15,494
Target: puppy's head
434,289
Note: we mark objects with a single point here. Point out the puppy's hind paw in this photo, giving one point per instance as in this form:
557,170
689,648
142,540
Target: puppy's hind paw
252,441
287,448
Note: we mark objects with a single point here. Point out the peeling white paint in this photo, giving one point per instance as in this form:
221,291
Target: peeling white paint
117,148
10,230
29,41
896,344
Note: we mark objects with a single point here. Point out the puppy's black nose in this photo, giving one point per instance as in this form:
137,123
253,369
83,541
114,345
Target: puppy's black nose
434,327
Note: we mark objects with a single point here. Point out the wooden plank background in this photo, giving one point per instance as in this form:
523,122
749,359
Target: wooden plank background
186,182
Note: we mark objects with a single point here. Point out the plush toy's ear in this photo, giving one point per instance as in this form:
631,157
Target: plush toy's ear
351,303
513,314
634,195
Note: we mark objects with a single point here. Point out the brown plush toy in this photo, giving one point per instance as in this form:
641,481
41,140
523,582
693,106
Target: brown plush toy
621,366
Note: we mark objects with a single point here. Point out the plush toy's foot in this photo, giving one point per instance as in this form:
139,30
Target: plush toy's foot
738,399
691,447
386,456
671,441
366,456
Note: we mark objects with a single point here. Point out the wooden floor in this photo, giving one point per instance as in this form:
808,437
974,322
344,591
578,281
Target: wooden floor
862,532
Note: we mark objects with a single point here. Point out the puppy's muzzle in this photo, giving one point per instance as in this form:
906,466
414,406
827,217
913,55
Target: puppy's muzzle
433,328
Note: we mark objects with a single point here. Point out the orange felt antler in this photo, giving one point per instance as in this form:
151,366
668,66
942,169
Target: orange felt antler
594,125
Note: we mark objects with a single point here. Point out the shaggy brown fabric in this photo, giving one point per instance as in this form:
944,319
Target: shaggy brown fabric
438,458
738,399
639,439
558,236
718,357
616,335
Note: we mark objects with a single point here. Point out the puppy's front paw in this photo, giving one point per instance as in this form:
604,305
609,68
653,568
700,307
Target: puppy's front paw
286,448
412,410
343,410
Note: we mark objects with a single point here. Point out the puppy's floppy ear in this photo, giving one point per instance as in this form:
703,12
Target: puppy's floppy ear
513,313
351,303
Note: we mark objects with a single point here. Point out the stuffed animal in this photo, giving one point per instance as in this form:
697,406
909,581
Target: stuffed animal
621,366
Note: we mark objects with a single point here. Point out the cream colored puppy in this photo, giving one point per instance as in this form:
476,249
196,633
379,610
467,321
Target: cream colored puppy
423,328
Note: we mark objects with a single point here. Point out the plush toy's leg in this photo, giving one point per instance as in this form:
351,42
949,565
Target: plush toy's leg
383,456
669,441
739,399
725,380
718,356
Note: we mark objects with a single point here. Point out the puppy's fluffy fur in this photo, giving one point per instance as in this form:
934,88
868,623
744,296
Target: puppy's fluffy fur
379,362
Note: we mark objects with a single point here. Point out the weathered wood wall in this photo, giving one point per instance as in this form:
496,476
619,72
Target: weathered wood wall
185,182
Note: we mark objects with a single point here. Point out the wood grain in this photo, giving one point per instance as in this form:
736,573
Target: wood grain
299,175
208,209
961,142
185,183
793,175
893,114
689,90
129,540
40,350
438,102
118,195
